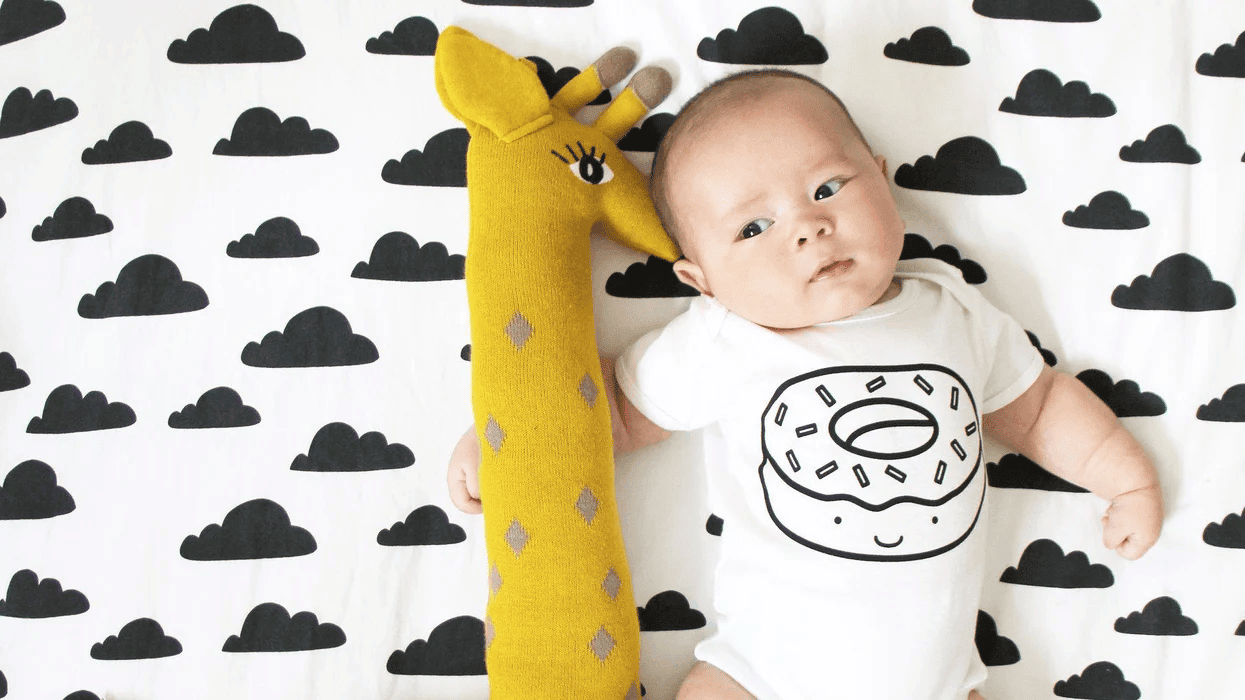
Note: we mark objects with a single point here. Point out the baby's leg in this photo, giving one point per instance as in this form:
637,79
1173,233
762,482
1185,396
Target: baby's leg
708,682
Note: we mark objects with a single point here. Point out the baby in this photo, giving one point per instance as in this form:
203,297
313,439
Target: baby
842,393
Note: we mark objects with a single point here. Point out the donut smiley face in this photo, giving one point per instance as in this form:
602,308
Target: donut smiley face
878,463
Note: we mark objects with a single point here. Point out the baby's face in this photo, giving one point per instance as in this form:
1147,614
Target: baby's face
784,214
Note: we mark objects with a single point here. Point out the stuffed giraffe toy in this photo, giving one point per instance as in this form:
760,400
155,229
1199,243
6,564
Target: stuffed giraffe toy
561,620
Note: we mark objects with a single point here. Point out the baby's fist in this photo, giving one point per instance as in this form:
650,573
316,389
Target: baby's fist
1133,521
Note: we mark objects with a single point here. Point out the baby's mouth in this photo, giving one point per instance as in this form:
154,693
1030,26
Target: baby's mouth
833,269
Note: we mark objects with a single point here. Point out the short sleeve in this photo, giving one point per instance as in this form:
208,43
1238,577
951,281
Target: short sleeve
1013,362
671,374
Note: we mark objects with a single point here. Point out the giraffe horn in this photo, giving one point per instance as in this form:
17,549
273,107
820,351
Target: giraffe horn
646,90
481,84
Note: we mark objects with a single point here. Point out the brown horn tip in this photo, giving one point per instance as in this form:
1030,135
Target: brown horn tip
652,85
615,64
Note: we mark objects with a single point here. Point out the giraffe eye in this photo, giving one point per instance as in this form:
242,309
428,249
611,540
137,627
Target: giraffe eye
586,165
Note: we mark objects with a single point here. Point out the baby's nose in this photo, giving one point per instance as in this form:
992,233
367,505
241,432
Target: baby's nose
820,231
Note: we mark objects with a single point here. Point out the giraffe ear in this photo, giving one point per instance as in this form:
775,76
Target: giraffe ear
481,84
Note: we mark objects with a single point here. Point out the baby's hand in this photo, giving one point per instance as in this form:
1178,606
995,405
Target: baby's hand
1133,521
464,474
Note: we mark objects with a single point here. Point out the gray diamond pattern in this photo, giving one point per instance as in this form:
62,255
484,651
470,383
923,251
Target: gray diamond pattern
612,584
519,329
588,390
587,504
602,644
516,537
494,434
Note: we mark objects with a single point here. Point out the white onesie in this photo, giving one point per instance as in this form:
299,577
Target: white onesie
845,460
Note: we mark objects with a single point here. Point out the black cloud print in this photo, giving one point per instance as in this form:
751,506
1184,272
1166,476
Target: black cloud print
23,113
82,695
553,80
1178,283
257,529
4,685
442,163
12,377
28,597
713,525
269,627
1106,210
143,638
1229,533
241,34
336,447
221,407
131,142
1161,616
1043,563
260,132
646,280
318,337
20,19
1040,11
928,45
1228,409
66,410
74,218
413,36
1016,471
669,611
647,136
277,237
1228,61
1124,397
967,165
1164,144
1047,355
398,257
29,492
1042,94
768,36
149,285
917,246
993,648
1101,680
426,525
454,648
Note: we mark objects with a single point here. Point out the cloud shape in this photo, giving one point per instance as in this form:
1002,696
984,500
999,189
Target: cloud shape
413,36
465,353
713,525
917,246
318,337
269,627
143,638
11,377
149,285
928,45
221,407
336,447
531,3
240,34
1161,616
1229,409
646,280
74,218
29,492
1043,563
1016,471
66,410
1047,355
23,113
1042,94
668,611
553,80
1164,144
1180,282
1228,61
260,132
257,529
1124,397
277,237
768,36
967,165
442,163
129,143
82,695
398,257
20,19
426,525
4,685
454,648
647,137
1106,210
1047,11
28,597
993,648
1101,679
1229,533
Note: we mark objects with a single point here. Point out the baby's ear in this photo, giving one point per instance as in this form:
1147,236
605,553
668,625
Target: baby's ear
690,273
881,161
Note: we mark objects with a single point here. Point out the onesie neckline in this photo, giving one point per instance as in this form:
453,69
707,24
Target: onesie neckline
897,303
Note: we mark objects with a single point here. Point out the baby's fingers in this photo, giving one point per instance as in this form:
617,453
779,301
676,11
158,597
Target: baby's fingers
462,495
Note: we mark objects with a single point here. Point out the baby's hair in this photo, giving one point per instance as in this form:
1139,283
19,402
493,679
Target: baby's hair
721,93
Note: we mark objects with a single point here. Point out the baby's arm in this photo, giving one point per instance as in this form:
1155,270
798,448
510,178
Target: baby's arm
631,431
1060,424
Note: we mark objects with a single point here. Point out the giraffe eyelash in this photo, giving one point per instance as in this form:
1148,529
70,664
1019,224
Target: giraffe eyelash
582,154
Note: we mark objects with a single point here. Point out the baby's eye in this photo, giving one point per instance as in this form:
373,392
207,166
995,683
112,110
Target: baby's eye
828,189
755,228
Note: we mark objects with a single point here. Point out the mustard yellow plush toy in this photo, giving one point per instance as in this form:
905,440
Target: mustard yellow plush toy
561,621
